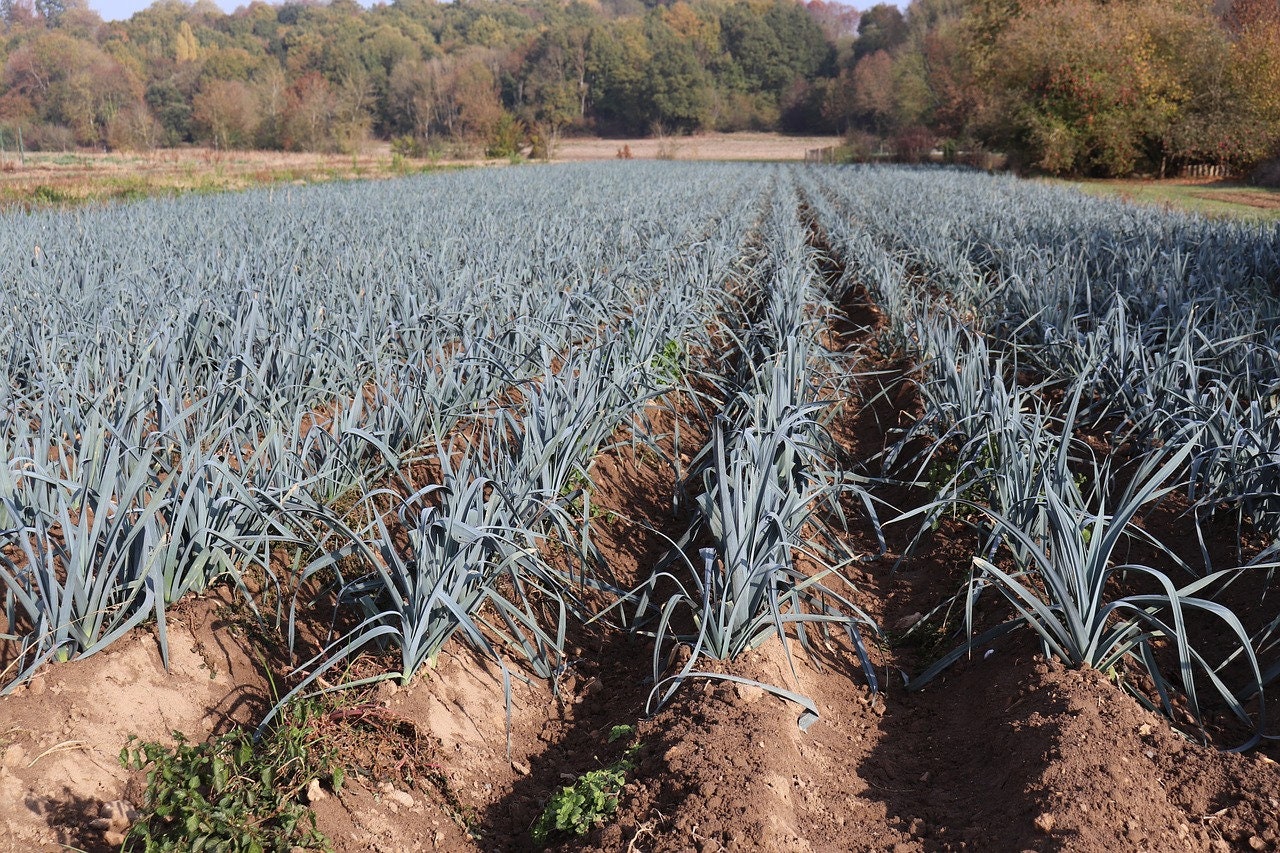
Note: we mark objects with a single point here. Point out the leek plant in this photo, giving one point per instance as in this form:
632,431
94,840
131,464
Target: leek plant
301,343
1161,330
1062,585
756,505
90,571
757,484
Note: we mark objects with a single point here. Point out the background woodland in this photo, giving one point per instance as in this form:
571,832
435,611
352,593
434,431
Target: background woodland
1061,86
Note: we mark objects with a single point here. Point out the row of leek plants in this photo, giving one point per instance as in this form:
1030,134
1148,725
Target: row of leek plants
162,442
764,484
1174,319
1103,318
478,563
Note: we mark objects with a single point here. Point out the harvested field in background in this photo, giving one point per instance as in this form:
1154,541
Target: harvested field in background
76,177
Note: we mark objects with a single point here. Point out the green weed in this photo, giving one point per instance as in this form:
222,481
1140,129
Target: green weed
591,800
45,194
232,794
670,362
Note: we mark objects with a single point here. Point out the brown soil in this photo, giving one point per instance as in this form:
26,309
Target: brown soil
1005,752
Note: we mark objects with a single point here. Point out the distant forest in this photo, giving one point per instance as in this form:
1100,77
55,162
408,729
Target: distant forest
1062,86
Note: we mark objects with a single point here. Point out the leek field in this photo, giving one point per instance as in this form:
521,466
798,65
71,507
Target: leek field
640,506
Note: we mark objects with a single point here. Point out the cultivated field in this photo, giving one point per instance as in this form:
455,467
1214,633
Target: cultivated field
639,506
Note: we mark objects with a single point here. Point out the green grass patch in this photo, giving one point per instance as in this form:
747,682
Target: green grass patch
1224,201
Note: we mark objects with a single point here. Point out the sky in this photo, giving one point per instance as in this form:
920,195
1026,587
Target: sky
120,10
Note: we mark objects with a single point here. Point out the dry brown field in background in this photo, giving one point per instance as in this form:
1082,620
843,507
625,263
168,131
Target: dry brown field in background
56,178
709,146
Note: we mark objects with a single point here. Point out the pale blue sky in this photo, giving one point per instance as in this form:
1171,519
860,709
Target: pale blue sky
120,10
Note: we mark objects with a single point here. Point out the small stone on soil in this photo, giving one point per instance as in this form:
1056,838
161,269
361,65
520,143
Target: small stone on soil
1044,823
314,792
117,815
400,797
908,621
13,756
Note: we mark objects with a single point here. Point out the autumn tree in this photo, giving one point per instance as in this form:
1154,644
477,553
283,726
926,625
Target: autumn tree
618,60
70,83
225,114
555,71
555,89
473,96
882,27
1253,74
872,85
134,129
678,87
319,116
838,21
414,90
18,15
271,89
186,48
1110,89
170,100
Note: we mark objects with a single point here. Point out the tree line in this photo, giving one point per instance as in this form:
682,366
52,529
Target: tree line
1063,86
